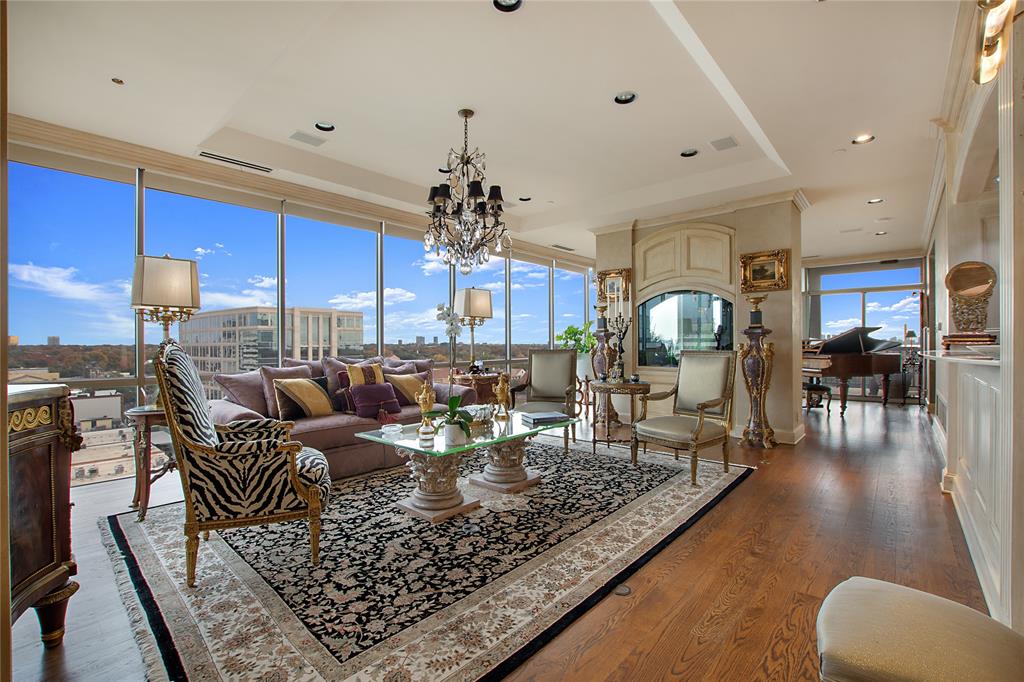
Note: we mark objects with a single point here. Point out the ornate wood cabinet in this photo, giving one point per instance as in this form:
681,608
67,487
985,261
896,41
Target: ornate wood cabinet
42,437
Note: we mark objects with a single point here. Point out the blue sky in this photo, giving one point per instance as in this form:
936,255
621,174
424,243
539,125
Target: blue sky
72,255
889,310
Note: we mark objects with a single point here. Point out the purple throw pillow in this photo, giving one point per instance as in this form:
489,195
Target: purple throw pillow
245,389
421,365
315,366
268,374
334,365
369,399
404,368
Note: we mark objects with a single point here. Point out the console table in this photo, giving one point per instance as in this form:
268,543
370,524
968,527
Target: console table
41,428
607,389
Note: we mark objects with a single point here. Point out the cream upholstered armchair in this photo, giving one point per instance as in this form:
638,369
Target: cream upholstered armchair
702,411
240,474
873,630
550,385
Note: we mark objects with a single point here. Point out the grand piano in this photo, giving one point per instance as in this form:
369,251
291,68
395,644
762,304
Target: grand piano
854,353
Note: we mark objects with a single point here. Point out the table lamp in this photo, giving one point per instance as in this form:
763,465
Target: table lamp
473,306
165,290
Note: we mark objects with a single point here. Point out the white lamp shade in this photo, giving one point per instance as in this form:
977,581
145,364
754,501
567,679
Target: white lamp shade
473,303
165,282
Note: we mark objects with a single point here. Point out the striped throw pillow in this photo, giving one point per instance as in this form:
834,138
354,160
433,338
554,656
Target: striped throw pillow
359,375
297,398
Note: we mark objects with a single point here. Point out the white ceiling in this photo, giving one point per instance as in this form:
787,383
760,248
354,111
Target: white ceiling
792,82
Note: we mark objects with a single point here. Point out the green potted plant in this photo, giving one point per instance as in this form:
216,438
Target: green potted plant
454,421
581,340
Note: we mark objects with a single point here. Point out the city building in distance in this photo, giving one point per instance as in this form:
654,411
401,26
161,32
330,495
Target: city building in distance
241,339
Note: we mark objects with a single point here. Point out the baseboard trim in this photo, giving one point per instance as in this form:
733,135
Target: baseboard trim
782,437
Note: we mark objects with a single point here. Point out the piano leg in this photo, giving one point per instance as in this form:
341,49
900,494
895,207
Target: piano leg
885,390
844,391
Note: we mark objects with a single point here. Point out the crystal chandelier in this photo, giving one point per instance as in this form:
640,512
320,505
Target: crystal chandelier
462,222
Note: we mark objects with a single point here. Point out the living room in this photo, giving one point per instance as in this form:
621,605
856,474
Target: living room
623,340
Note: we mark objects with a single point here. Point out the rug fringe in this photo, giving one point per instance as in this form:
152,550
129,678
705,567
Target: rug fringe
148,649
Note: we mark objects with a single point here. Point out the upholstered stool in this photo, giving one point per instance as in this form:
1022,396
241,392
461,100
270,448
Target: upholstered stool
819,389
874,630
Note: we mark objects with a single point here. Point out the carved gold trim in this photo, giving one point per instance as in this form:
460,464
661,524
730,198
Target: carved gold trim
58,596
69,437
747,261
29,418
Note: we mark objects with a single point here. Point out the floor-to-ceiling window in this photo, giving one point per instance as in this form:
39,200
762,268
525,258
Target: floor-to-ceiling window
330,290
886,296
415,283
530,308
490,336
570,290
72,252
235,249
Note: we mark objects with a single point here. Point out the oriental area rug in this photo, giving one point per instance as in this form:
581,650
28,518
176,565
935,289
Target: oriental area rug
394,597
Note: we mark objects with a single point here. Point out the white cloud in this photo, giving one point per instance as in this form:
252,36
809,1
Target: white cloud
362,300
571,315
263,282
844,323
431,264
59,282
218,245
200,252
908,304
901,317
247,298
357,300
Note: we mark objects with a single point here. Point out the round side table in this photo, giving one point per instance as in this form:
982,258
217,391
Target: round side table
607,389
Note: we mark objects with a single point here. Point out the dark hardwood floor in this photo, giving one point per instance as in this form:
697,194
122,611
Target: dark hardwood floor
734,598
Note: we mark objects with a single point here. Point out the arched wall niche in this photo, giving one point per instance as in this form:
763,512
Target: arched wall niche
699,256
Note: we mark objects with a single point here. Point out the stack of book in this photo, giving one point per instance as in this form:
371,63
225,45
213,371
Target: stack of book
967,339
537,418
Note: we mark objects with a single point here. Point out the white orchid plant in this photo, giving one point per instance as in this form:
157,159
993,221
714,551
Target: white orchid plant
452,322
452,328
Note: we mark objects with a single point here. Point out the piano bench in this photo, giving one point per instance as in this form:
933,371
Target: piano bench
819,389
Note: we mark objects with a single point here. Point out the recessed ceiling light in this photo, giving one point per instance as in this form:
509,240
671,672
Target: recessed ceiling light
625,97
444,171
881,233
324,126
507,5
863,139
117,81
525,199
875,201
689,153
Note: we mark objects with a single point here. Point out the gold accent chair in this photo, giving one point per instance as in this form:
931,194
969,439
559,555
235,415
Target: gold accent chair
702,410
245,473
550,385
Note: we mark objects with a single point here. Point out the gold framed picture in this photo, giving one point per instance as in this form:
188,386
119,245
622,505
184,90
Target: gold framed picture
613,285
764,271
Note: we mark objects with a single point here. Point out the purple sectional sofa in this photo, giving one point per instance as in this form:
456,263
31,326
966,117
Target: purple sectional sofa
334,434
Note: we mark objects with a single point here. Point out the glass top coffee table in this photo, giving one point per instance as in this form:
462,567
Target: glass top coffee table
435,465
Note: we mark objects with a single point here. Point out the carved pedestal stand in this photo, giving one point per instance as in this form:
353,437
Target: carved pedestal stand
437,496
756,360
505,471
603,358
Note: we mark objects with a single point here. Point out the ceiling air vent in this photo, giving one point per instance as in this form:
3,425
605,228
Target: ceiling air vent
851,230
724,143
888,261
561,248
306,138
235,162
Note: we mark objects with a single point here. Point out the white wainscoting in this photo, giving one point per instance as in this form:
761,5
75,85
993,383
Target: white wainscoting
977,471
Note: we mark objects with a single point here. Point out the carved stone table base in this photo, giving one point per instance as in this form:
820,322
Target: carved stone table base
505,471
437,496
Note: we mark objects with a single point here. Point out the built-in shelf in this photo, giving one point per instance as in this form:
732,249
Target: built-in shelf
963,357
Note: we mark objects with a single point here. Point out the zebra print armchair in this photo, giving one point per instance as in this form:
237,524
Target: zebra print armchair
241,474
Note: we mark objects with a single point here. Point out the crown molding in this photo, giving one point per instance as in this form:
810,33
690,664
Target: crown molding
796,196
